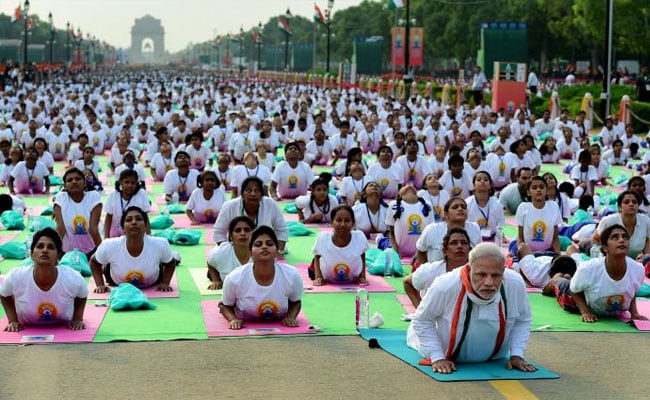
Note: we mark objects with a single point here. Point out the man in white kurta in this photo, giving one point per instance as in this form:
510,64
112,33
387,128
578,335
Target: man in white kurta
474,314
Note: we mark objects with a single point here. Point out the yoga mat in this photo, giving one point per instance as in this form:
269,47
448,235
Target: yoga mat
8,236
93,317
150,292
217,325
406,303
548,316
375,284
394,343
202,282
643,307
183,221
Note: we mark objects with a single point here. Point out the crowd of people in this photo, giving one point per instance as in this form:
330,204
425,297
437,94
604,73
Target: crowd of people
430,180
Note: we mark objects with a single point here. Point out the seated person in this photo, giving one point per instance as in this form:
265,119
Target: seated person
262,289
9,202
45,292
473,298
30,176
340,255
291,178
225,257
206,200
316,206
536,270
135,258
539,220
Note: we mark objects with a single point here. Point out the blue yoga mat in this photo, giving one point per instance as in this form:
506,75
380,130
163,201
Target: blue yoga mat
394,342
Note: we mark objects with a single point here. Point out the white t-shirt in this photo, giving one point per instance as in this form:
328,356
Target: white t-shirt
269,214
33,305
365,219
254,301
637,239
340,264
457,187
223,259
424,276
431,239
305,204
93,167
590,175
198,156
241,172
322,153
388,178
292,182
437,202
136,167
141,271
413,172
29,180
538,224
206,211
352,188
162,165
487,218
604,295
76,218
116,205
183,186
409,226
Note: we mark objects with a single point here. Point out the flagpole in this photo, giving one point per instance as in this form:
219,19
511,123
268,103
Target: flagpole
26,18
407,48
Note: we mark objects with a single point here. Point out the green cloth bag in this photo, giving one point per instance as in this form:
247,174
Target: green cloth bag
644,291
161,222
13,250
37,223
12,221
56,180
580,216
128,297
47,211
76,260
291,208
167,234
187,237
565,242
175,209
298,229
379,263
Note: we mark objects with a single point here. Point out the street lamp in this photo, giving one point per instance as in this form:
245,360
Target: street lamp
287,34
51,21
259,46
25,16
79,39
67,45
330,5
241,49
407,49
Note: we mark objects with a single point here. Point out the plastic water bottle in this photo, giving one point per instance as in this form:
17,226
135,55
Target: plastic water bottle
76,258
590,211
498,236
175,198
362,308
388,253
28,247
595,251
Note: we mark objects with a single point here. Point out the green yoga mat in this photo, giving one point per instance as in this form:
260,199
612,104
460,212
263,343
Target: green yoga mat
548,316
394,343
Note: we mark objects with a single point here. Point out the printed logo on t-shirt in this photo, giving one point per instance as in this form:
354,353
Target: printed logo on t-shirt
57,148
482,222
341,272
95,141
384,184
412,174
268,309
615,303
79,225
414,224
135,278
456,191
539,231
293,182
437,213
33,181
502,168
210,215
182,191
47,311
198,161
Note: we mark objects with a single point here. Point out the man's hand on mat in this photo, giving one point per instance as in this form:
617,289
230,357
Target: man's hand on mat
195,223
319,281
236,324
443,366
588,317
215,285
519,363
290,322
164,287
76,325
14,326
638,317
101,289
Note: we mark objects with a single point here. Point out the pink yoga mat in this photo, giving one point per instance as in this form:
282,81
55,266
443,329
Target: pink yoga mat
406,303
534,290
150,292
217,325
643,306
7,237
93,317
183,221
376,284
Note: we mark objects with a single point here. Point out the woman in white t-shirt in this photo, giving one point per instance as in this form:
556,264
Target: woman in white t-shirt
539,221
407,216
44,293
128,192
250,167
483,208
628,215
607,285
435,195
316,206
30,176
340,255
77,213
584,175
206,200
352,185
181,180
387,173
371,210
163,161
263,289
225,257
15,156
135,257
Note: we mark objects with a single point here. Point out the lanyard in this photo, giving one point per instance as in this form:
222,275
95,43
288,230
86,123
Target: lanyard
412,171
124,206
487,217
256,171
355,185
245,213
373,227
30,176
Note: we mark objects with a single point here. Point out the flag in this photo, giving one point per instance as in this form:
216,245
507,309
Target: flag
257,38
393,4
283,24
17,14
30,23
318,15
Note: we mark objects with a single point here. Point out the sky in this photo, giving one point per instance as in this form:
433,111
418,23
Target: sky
184,21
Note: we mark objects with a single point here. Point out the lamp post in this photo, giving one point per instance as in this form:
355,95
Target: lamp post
407,47
287,34
79,39
330,5
259,46
51,21
241,49
67,44
26,18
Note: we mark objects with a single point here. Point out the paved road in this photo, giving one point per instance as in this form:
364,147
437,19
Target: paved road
592,365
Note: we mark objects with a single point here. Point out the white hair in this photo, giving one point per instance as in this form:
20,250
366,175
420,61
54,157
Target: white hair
487,250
